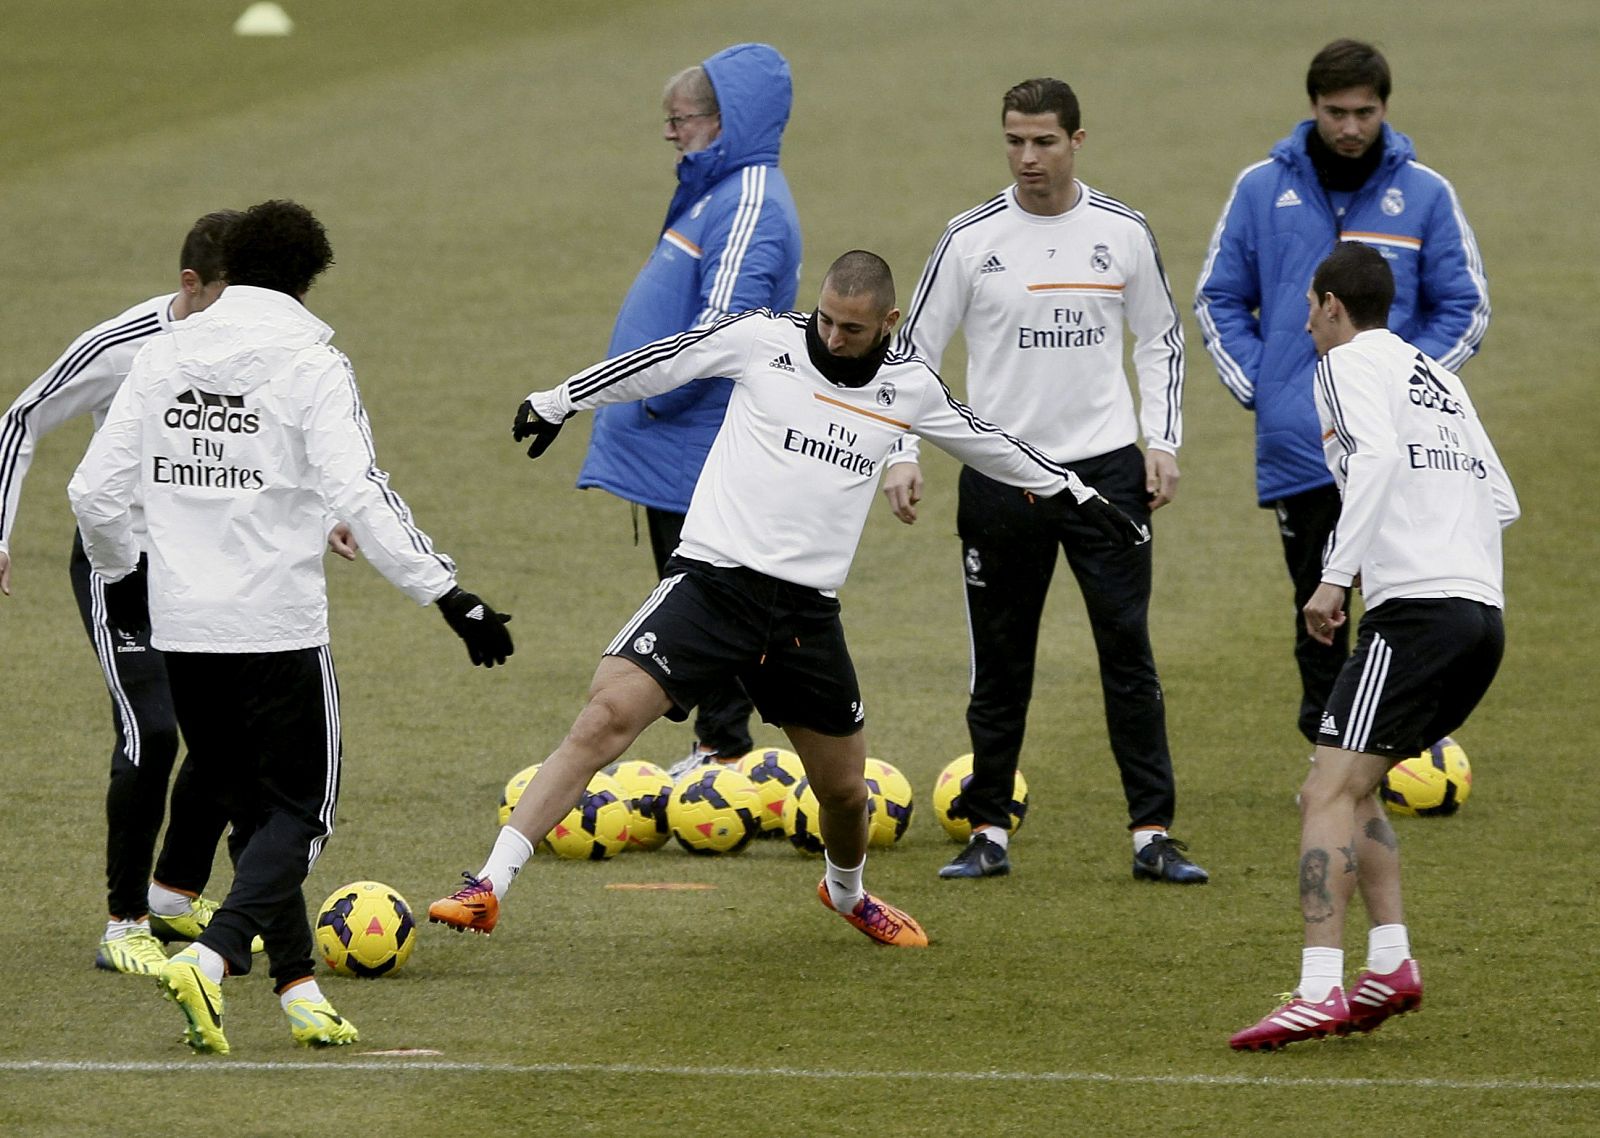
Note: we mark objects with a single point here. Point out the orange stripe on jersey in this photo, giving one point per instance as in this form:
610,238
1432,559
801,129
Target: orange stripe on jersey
1328,434
861,411
1068,286
1399,239
682,242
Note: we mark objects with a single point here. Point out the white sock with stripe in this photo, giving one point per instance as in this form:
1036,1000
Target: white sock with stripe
996,834
166,902
511,852
1388,947
1321,971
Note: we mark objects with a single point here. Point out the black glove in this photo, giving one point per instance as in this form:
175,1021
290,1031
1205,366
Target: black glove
484,630
1116,525
128,604
530,425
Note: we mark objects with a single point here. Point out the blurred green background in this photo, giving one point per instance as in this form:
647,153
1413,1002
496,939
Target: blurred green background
492,176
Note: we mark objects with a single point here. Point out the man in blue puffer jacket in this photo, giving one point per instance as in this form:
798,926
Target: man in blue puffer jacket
1344,175
730,243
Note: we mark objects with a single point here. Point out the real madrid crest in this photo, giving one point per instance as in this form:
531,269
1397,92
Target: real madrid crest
1100,259
1394,202
886,395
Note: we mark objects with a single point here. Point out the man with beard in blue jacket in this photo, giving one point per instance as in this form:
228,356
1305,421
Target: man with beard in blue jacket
1343,175
730,243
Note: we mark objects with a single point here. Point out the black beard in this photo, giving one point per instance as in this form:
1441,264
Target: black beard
843,371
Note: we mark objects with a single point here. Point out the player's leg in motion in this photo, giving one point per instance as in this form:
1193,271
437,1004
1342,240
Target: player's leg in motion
623,701
1331,799
835,767
141,763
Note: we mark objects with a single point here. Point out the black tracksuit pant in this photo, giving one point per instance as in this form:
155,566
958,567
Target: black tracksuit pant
141,764
266,728
1009,542
1305,522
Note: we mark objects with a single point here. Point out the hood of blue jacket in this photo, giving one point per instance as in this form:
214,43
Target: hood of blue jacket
1397,150
754,92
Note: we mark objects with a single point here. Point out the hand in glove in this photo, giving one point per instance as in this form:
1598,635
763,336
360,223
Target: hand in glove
530,425
128,604
479,626
1109,520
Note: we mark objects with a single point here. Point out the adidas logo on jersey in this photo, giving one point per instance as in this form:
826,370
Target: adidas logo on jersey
1288,197
992,265
1330,725
783,363
208,411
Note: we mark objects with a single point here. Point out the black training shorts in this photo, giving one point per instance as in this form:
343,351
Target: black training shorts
705,624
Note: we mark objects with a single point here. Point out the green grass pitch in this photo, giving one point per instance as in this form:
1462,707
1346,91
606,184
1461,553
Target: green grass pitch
492,177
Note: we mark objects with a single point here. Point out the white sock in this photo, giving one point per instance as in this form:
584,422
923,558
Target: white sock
844,885
1388,947
212,966
301,990
996,834
511,852
116,928
1321,971
1142,838
166,902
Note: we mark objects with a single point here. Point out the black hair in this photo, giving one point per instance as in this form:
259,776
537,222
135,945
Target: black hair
1344,64
859,271
1359,276
1043,97
279,245
202,248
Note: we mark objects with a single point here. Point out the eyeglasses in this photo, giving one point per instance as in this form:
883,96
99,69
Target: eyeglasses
675,121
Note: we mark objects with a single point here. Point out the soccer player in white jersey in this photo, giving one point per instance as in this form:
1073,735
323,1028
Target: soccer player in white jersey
1425,499
240,431
1043,279
144,909
818,403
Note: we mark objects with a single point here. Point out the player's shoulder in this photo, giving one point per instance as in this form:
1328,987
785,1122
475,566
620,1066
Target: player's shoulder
1113,211
985,213
133,323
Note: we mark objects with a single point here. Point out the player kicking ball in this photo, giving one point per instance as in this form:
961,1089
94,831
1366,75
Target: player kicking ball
1424,501
818,403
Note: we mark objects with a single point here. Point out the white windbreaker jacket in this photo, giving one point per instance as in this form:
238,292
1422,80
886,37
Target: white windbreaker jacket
243,432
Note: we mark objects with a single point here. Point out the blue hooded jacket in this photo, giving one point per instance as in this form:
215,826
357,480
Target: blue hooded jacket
1277,227
730,243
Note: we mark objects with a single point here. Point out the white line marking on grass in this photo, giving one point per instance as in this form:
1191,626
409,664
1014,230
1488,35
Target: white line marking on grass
379,1065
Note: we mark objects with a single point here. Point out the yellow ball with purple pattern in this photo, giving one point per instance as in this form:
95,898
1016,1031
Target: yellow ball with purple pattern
888,803
947,791
365,929
774,772
647,788
714,810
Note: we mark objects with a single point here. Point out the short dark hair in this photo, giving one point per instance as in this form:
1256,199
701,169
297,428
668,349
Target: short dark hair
1359,276
859,271
1344,64
1043,97
202,248
278,245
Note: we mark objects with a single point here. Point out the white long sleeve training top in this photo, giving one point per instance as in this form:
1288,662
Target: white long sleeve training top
791,475
1425,495
242,430
83,381
1043,303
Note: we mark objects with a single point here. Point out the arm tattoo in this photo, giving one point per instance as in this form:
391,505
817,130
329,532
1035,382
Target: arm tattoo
1379,830
1316,903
